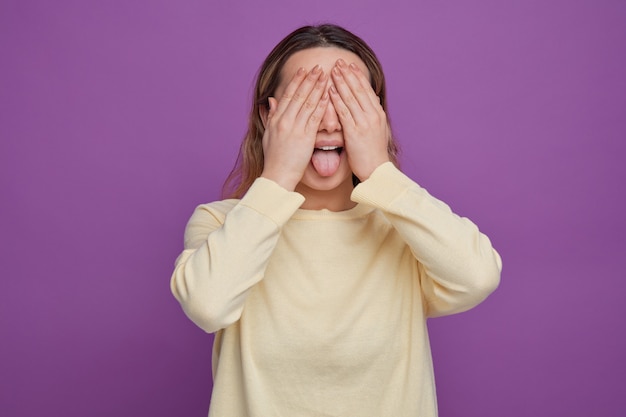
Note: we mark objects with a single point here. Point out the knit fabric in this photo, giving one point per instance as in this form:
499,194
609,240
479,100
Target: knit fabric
321,313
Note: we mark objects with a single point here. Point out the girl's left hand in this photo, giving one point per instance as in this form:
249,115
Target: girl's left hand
364,122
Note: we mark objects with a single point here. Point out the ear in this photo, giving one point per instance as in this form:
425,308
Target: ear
265,113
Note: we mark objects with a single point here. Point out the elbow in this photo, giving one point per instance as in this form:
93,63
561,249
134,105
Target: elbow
208,316
486,277
207,312
202,306
475,283
487,284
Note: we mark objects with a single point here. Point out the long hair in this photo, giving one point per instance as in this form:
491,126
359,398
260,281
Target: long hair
249,164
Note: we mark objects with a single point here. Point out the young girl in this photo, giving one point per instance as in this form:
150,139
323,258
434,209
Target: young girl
318,276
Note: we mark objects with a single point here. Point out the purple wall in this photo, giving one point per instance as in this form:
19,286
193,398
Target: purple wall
117,118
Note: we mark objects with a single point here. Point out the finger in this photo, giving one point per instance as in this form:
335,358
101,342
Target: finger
344,113
365,82
290,90
273,103
360,90
312,102
314,120
347,96
301,95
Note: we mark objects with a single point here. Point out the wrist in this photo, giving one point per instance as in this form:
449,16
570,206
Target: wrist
285,181
365,174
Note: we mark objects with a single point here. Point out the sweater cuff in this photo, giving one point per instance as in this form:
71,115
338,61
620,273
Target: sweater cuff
382,187
272,200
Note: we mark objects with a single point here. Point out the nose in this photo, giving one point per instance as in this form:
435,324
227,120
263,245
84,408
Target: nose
330,120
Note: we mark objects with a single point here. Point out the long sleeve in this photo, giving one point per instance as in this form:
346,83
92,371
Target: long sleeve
226,253
458,266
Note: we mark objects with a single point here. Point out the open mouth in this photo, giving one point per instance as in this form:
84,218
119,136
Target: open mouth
326,159
337,149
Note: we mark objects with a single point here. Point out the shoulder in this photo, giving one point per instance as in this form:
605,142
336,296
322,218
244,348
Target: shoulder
215,209
205,219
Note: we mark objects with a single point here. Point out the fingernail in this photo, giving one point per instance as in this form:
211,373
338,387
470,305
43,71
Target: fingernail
341,62
336,72
316,69
300,71
354,67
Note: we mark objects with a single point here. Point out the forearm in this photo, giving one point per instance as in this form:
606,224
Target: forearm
211,281
459,266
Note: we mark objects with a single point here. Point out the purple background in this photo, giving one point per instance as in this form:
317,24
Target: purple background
118,117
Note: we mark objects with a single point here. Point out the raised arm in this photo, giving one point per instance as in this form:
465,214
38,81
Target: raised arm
458,265
227,250
226,253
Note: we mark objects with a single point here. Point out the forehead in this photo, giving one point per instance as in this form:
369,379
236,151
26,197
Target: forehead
325,57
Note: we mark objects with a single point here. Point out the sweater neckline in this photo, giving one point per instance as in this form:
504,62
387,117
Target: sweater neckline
359,210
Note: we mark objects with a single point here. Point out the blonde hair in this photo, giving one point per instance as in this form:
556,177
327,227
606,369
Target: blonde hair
249,164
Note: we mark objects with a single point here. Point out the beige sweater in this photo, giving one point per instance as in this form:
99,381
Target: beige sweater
322,313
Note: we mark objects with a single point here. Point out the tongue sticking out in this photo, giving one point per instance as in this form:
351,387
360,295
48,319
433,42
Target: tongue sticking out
325,162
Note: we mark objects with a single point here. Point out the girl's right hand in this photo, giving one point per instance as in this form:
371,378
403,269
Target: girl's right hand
291,127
